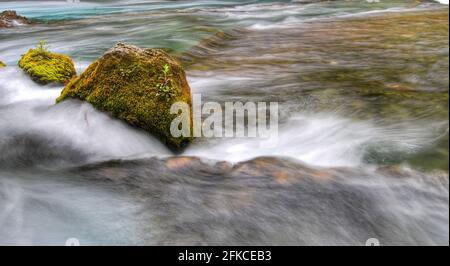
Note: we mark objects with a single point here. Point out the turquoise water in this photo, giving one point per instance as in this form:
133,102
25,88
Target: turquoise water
90,26
62,10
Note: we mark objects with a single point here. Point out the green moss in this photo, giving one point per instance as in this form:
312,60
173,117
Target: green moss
45,67
137,86
2,64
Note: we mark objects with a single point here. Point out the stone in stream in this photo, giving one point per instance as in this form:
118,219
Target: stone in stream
137,86
9,18
45,67
2,64
268,201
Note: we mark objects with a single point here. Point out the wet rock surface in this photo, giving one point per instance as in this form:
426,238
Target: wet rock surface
270,201
10,18
137,86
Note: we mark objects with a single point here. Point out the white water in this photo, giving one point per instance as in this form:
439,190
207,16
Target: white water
322,140
38,210
317,139
30,108
445,2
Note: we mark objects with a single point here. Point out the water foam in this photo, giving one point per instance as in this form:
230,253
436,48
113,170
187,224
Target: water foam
319,139
28,108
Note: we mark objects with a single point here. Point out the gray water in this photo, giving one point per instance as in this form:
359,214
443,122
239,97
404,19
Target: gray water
363,150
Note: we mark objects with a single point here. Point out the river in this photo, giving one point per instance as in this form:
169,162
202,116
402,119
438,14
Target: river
362,88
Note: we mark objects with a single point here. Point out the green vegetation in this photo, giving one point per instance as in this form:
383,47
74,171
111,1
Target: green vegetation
137,86
165,89
45,67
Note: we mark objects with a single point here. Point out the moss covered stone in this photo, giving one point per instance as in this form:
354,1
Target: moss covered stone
45,67
2,64
137,86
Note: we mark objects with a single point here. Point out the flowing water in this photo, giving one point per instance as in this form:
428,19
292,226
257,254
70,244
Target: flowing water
363,148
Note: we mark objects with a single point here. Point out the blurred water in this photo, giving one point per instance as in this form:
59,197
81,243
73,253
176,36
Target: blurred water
361,87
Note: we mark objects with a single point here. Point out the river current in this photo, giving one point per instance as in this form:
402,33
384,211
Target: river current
362,88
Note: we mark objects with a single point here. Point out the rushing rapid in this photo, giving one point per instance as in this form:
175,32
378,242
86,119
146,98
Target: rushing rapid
363,134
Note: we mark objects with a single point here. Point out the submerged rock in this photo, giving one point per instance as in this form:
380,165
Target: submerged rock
137,86
45,67
276,201
2,64
9,18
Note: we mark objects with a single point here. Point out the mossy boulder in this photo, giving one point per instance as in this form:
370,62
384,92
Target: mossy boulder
45,67
2,64
137,86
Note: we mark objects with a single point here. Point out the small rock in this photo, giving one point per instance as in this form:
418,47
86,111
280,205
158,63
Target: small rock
399,87
9,18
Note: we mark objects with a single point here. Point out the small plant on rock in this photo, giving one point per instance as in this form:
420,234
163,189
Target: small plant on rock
41,49
165,89
45,67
